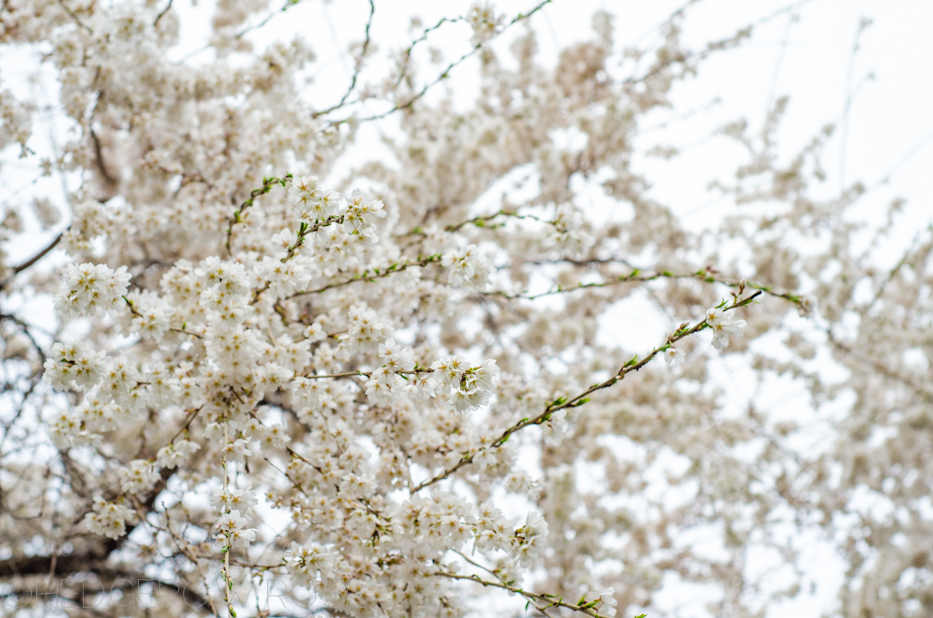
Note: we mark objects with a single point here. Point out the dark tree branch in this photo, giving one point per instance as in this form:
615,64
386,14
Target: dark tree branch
42,253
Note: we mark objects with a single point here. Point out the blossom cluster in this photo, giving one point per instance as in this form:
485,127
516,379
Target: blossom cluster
90,287
468,269
485,22
426,529
108,518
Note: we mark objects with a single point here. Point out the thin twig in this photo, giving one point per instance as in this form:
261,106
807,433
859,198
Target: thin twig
445,73
550,600
357,69
637,276
164,11
74,17
371,275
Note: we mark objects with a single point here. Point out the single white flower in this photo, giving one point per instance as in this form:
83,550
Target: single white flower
608,600
723,327
674,356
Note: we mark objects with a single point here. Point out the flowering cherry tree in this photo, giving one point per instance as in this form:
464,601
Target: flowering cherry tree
390,395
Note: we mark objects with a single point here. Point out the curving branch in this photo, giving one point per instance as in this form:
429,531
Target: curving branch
637,276
576,401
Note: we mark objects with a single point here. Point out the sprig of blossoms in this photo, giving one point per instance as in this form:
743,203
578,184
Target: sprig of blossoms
382,386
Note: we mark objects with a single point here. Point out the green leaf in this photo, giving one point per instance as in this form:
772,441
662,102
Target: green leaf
631,362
